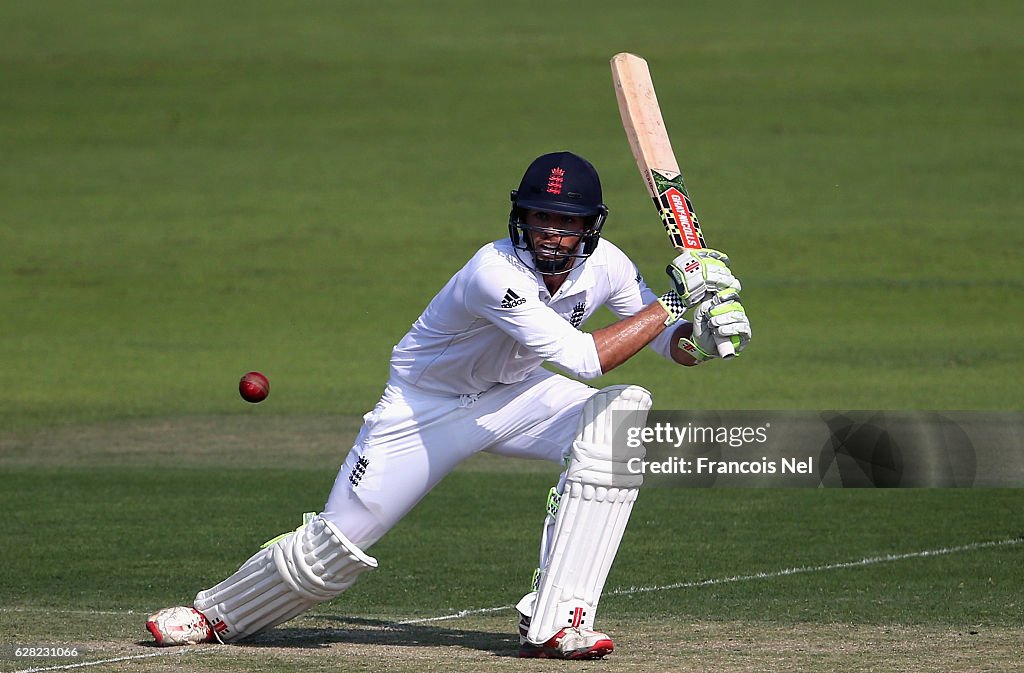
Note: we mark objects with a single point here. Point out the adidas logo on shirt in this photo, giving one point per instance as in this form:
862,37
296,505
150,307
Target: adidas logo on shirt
511,299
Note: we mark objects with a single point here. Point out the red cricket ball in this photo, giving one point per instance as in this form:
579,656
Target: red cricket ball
254,387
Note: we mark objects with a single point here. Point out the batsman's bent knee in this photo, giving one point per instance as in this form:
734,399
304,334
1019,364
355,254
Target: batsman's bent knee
599,454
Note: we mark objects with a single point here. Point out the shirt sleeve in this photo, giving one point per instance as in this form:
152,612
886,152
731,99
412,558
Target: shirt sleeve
512,305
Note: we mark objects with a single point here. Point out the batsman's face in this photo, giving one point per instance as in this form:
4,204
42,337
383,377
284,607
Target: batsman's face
554,236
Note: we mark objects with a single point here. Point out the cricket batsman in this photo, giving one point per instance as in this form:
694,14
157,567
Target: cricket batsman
467,377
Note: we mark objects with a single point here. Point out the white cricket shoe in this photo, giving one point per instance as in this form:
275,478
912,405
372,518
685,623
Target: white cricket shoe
570,643
179,626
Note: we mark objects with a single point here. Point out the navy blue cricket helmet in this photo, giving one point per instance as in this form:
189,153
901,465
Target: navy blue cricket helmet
562,183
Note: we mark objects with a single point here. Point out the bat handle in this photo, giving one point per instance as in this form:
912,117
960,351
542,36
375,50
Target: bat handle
725,347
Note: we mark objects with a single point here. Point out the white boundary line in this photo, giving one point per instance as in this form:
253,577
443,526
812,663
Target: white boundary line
627,591
869,561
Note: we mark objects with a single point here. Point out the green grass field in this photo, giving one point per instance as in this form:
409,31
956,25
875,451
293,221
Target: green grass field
191,190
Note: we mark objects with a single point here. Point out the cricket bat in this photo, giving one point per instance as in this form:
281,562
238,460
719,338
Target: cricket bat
648,138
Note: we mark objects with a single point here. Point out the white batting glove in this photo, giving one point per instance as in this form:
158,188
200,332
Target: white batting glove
695,274
720,316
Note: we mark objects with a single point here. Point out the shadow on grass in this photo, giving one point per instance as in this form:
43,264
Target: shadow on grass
361,631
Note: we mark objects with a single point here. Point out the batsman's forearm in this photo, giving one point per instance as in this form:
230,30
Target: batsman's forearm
620,341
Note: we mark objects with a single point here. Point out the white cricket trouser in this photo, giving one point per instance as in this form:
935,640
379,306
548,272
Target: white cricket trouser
413,439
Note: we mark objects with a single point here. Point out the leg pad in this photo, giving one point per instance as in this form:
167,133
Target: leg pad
596,501
309,566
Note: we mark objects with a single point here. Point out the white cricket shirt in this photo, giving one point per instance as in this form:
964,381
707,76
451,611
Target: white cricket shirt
495,322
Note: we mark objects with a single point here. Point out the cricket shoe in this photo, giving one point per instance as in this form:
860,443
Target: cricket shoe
179,626
569,643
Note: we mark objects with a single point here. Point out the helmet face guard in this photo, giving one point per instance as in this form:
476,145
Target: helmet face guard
561,183
552,259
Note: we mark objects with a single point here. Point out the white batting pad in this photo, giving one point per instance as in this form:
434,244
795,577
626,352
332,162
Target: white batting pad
595,506
311,565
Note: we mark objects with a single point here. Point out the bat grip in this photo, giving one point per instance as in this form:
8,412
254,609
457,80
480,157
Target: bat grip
725,347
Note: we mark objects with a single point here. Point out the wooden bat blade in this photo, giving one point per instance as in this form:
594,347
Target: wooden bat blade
652,150
641,114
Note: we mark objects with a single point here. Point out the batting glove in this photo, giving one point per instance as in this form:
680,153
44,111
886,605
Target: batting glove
695,274
720,316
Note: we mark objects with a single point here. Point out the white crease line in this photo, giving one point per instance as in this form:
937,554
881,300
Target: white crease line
456,615
871,560
868,561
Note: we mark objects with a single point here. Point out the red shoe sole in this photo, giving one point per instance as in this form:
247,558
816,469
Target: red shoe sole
598,650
